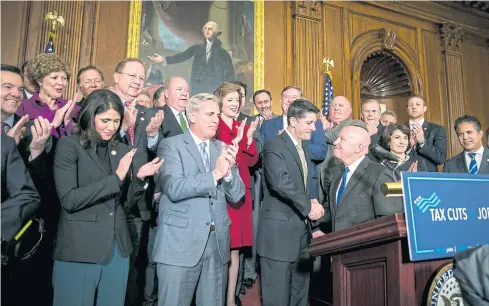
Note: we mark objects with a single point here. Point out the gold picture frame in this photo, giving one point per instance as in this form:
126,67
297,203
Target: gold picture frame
135,13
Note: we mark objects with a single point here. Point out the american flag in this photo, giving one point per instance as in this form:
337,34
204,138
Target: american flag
328,93
50,44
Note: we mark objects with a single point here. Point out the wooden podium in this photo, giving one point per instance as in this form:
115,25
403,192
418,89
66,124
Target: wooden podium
371,266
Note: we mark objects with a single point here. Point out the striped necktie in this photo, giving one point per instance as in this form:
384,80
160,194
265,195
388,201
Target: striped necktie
303,162
473,169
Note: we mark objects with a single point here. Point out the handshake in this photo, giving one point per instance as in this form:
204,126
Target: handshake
317,210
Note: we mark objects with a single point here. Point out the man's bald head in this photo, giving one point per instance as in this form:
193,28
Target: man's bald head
352,144
340,109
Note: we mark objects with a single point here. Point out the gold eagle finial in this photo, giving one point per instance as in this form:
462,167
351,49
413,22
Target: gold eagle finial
54,19
327,61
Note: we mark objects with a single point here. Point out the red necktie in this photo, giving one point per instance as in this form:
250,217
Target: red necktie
130,130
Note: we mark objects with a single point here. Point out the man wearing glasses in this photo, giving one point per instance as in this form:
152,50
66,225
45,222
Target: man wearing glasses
140,129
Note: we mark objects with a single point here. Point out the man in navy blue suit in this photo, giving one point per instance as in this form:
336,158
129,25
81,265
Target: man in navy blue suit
317,145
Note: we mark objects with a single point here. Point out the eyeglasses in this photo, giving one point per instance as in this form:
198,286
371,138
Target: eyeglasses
134,77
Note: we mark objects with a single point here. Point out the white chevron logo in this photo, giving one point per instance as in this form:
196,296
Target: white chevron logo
424,204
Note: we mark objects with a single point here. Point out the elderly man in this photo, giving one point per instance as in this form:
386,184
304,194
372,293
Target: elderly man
192,242
340,110
140,129
212,64
353,194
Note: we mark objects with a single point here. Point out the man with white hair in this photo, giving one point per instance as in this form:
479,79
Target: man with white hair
191,247
212,64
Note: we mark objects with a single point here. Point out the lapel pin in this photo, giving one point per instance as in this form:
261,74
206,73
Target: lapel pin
113,152
142,119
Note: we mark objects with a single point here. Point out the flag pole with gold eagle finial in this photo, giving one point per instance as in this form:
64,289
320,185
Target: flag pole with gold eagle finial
328,94
53,19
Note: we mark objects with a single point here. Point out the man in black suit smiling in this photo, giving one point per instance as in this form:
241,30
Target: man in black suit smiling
287,210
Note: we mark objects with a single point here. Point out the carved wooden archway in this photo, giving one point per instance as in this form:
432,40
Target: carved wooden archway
382,40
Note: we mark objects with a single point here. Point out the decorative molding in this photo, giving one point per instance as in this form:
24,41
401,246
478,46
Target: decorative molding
477,8
384,75
308,9
452,37
389,37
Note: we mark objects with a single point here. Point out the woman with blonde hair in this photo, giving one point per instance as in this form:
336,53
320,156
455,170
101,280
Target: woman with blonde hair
240,213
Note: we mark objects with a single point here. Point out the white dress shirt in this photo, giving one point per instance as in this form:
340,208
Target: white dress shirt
351,169
177,115
284,118
477,157
198,141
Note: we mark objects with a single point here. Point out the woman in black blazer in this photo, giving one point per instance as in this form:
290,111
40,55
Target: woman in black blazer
95,183
396,139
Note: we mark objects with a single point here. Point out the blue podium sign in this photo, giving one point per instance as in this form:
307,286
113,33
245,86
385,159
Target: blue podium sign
445,213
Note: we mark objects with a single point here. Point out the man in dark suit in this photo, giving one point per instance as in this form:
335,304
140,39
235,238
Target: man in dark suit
176,95
288,210
353,188
212,64
19,201
88,79
428,140
474,159
370,114
317,143
141,130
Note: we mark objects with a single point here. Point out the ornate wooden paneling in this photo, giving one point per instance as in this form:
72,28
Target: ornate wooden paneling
308,49
14,14
68,41
334,46
451,41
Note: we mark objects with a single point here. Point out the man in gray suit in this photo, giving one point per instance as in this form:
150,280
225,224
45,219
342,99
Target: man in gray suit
354,195
192,242
475,158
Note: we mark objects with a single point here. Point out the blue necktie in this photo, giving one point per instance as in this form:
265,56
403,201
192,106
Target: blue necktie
342,186
473,164
205,157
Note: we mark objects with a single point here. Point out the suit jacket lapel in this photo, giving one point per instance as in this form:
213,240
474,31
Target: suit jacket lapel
93,155
115,155
359,172
171,117
194,151
335,184
280,123
461,165
484,169
290,145
214,152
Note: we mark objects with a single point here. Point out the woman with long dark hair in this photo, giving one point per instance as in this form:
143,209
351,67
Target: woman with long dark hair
95,182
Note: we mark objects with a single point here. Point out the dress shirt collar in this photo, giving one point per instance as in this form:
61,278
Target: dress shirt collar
353,166
198,141
420,122
10,121
286,124
177,115
294,141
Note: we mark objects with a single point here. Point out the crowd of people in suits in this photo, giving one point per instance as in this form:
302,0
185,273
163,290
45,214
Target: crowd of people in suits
167,199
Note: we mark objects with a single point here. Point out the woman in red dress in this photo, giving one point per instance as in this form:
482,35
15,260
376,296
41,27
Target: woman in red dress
231,131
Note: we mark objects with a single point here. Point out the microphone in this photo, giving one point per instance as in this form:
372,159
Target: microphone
384,154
